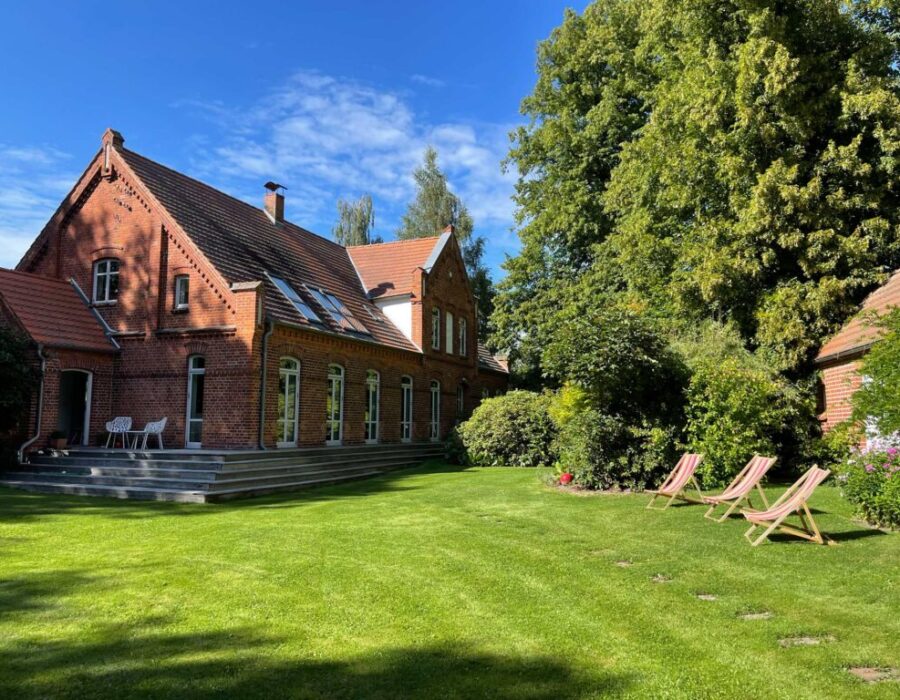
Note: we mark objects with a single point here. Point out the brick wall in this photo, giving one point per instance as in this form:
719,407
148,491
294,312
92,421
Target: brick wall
839,382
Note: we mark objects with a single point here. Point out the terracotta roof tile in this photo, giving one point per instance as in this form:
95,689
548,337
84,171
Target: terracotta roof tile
386,269
858,333
52,312
488,361
243,244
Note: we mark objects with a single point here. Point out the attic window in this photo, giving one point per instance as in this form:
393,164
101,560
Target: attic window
340,313
304,308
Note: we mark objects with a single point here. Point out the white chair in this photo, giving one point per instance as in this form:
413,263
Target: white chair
153,428
120,425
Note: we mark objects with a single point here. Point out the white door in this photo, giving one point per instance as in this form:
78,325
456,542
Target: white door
196,386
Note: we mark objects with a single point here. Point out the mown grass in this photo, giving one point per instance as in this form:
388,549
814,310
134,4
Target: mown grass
437,582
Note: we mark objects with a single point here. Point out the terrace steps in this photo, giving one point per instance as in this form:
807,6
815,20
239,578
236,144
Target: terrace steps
194,477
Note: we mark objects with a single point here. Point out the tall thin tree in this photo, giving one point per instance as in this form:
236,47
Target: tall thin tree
355,222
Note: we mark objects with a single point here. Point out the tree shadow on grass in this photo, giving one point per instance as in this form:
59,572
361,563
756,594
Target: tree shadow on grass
21,506
149,660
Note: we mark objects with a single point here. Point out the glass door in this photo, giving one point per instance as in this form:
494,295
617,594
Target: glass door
196,382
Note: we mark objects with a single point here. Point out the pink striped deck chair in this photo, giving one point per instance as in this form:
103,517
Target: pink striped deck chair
792,501
739,489
674,485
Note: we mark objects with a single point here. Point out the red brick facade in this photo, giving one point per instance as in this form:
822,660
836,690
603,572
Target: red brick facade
840,380
112,214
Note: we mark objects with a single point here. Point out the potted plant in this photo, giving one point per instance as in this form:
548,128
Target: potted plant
58,440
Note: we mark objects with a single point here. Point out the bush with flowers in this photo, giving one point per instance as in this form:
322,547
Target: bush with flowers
870,480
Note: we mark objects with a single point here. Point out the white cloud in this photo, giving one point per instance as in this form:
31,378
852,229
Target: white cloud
325,138
31,187
427,80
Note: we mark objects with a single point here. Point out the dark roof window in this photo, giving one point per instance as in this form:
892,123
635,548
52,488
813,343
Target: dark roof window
299,303
336,309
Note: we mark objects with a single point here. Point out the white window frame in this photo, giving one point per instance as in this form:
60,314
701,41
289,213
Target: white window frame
192,372
103,276
448,328
460,402
334,426
373,406
406,408
284,422
435,328
463,336
185,281
434,432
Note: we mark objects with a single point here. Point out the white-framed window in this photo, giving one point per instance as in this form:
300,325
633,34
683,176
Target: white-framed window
463,336
406,408
288,401
435,425
334,405
460,402
448,335
372,405
195,395
106,281
182,292
436,328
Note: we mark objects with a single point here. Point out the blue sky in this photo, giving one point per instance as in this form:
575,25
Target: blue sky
332,99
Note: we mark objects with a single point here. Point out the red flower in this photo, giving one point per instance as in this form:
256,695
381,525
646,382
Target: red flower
565,478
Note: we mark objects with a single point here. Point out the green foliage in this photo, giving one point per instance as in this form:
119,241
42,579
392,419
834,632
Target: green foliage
709,159
18,378
355,222
871,481
513,430
436,207
737,405
879,397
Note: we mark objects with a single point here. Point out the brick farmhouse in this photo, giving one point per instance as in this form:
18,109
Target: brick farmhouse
839,358
149,294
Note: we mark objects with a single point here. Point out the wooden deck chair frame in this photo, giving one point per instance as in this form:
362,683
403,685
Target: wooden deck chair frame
680,494
735,503
808,529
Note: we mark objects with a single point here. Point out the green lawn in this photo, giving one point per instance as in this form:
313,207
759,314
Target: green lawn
437,582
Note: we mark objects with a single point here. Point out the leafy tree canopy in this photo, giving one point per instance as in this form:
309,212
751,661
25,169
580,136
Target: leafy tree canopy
733,160
18,377
355,222
877,398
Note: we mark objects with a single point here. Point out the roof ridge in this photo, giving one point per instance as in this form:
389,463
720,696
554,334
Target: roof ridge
226,194
395,242
32,274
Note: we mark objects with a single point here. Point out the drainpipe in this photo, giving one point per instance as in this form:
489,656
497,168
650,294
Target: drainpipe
262,383
20,454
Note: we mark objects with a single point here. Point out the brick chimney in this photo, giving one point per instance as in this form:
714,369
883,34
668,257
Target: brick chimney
273,202
111,139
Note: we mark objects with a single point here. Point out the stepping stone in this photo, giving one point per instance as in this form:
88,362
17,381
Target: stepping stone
804,641
761,615
623,563
875,675
661,578
707,596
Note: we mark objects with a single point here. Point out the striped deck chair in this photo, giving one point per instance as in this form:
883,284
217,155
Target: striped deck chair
739,490
792,501
674,485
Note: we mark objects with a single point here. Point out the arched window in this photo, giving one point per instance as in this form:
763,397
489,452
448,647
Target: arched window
372,405
435,431
334,405
448,328
463,336
106,281
196,389
436,328
406,408
460,402
288,401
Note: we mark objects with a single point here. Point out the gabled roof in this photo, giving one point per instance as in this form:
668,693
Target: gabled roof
52,312
386,269
859,333
489,362
244,245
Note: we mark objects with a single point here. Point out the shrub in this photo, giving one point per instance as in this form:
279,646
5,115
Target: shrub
871,482
513,430
876,400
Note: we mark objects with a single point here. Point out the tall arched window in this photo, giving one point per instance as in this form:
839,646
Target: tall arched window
372,405
106,281
460,402
435,431
334,405
406,408
463,336
288,401
196,389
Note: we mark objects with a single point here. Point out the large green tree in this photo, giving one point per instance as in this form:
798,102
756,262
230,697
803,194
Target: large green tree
355,222
436,207
733,160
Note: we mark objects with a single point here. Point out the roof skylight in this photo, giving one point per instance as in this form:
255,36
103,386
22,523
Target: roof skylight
299,303
340,313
